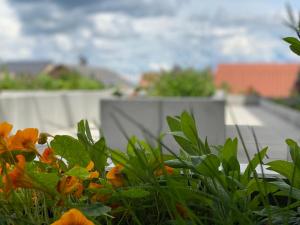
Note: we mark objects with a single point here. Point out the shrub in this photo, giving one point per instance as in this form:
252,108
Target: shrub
67,81
186,82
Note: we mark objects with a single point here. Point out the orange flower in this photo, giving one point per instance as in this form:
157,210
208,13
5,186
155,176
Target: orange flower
115,177
93,174
98,197
70,185
73,217
17,177
48,156
160,171
24,139
5,129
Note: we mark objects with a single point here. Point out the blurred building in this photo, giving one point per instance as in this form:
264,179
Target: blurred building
30,68
33,68
148,79
267,80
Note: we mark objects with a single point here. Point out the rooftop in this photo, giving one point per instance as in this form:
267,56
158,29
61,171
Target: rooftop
268,80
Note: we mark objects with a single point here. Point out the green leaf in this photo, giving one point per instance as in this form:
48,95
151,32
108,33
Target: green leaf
294,44
45,181
177,133
189,128
229,150
294,152
70,149
207,164
176,163
184,143
118,157
134,193
84,132
228,156
291,40
295,49
255,161
78,172
260,186
174,123
287,170
95,210
98,154
287,190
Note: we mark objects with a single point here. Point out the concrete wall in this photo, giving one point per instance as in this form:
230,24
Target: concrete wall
50,110
151,113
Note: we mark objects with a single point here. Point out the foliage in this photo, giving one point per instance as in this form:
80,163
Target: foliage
183,82
67,81
294,42
201,185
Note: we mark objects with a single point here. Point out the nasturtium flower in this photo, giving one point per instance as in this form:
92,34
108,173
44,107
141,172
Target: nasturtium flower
17,178
160,171
48,156
115,176
98,197
5,129
24,139
73,217
70,185
90,167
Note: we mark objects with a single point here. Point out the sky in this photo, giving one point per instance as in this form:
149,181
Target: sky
134,36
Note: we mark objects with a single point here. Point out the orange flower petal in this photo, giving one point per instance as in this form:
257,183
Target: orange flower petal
23,139
17,177
90,166
73,217
115,177
5,129
70,185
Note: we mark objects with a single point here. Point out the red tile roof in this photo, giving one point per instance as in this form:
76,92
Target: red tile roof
268,80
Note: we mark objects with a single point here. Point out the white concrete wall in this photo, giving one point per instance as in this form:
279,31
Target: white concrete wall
151,113
50,110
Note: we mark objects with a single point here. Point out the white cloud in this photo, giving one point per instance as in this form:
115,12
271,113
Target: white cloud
160,66
63,42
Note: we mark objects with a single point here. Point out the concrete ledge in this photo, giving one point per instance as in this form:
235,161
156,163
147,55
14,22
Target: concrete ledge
152,112
50,110
286,113
242,99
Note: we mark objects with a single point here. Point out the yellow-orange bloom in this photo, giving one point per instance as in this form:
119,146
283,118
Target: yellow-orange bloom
70,185
5,129
159,172
90,167
17,177
48,156
98,197
24,139
73,217
115,176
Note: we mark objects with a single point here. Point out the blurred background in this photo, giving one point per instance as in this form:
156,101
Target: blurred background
59,58
131,37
